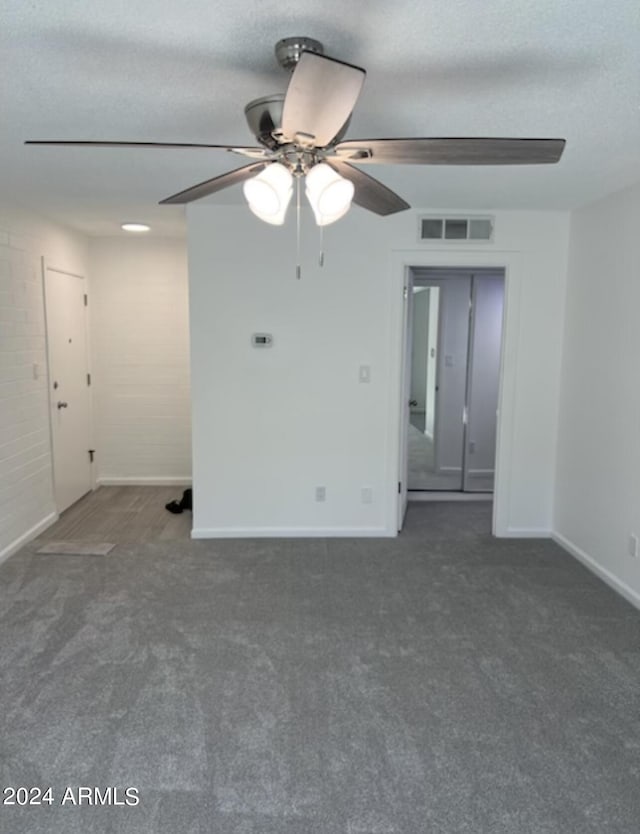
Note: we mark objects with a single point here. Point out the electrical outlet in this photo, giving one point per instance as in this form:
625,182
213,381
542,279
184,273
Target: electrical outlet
633,545
321,493
364,373
366,494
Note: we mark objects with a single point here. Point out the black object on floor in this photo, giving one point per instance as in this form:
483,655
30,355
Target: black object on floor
185,503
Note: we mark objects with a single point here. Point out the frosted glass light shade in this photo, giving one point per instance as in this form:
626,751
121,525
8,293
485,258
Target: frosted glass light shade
329,194
269,193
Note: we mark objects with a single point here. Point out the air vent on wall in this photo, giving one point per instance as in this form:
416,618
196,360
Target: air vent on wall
456,228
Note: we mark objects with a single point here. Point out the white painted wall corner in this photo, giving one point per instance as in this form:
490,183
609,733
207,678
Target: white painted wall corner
30,534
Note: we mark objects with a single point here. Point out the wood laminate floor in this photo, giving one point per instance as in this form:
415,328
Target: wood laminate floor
121,515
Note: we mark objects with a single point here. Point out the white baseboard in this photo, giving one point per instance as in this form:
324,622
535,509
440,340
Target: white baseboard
602,573
415,495
25,538
291,532
107,480
525,533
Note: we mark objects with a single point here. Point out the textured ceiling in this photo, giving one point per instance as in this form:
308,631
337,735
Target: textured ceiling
167,71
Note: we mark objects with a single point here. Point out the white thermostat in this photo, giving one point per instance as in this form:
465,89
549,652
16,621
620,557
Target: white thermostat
262,340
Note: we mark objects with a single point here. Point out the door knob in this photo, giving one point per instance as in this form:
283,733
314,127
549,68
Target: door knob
61,404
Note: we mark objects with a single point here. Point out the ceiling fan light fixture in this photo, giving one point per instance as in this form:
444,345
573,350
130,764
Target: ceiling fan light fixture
328,193
328,219
269,193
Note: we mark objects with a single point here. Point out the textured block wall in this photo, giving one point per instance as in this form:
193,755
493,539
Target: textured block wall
25,458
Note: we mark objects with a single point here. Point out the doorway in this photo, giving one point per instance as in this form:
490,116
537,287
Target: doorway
69,380
455,353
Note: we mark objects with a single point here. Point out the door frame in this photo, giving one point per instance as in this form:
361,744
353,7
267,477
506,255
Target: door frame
512,262
405,376
46,265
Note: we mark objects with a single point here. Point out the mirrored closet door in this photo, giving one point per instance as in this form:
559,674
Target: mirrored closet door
455,373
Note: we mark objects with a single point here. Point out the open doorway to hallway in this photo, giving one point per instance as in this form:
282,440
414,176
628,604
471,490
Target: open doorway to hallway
454,351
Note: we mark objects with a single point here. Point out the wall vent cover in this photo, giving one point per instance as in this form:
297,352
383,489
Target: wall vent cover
456,228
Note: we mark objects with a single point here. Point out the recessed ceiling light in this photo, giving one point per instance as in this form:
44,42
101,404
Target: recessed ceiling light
135,227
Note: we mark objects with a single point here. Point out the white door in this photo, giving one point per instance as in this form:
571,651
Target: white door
68,385
405,386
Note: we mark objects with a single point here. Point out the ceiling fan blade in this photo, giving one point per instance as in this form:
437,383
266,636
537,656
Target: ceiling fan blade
207,187
319,100
258,153
254,153
451,151
369,193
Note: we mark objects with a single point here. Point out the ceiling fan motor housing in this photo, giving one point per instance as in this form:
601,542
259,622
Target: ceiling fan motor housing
264,117
289,50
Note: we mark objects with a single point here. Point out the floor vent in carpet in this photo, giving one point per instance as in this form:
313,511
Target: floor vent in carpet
76,548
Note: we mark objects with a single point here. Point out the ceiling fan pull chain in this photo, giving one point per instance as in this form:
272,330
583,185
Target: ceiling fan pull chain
321,259
298,268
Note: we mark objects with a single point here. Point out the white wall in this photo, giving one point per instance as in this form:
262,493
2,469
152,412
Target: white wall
140,334
26,492
270,425
597,501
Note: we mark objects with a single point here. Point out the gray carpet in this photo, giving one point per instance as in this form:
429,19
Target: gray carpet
444,682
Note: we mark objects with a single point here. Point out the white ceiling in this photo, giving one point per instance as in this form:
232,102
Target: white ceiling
167,71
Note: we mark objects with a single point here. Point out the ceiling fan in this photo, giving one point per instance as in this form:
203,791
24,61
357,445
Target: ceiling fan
301,134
